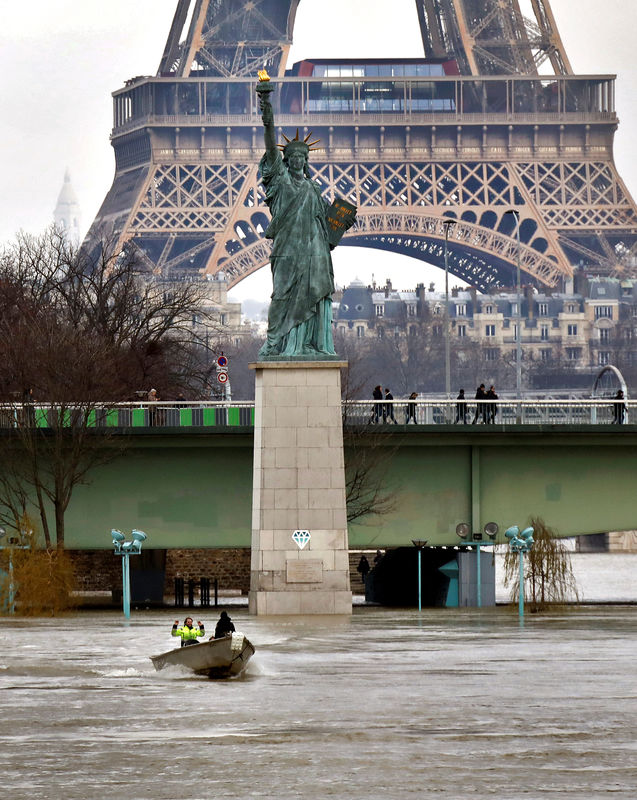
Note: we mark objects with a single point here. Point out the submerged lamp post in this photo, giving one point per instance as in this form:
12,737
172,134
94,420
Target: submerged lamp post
419,544
17,542
125,549
463,530
520,543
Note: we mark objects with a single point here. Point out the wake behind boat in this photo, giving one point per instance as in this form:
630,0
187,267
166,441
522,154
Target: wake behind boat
218,658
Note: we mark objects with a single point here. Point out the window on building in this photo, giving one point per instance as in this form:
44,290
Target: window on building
360,331
571,308
488,309
603,358
573,353
411,310
380,310
461,309
572,330
489,330
413,330
515,309
604,335
491,354
544,333
437,330
603,312
381,332
546,354
462,330
223,319
543,309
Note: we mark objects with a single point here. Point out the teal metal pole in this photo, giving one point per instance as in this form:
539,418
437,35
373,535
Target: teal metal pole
419,582
521,589
126,586
479,579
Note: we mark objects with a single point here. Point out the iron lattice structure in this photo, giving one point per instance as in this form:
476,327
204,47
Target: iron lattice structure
469,132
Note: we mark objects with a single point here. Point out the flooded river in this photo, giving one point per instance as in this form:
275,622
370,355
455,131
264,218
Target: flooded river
460,704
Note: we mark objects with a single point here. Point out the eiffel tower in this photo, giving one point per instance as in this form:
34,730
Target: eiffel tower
490,120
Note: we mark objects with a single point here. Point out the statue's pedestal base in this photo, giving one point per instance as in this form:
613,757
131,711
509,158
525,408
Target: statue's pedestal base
299,485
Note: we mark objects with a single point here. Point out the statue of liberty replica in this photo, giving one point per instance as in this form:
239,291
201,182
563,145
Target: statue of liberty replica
300,316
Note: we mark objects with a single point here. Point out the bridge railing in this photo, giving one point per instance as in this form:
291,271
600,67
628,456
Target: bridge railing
182,414
499,412
210,414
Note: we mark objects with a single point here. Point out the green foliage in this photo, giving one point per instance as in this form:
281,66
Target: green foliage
548,574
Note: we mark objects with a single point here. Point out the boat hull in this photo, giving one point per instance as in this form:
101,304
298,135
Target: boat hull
217,658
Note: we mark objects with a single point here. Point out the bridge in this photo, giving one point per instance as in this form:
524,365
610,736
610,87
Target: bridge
187,478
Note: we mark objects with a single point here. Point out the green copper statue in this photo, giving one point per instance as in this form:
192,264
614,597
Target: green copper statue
300,316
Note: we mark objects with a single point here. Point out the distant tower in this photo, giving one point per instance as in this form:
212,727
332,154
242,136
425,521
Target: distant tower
67,211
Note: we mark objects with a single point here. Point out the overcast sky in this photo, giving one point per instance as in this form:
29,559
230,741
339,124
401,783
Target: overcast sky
61,59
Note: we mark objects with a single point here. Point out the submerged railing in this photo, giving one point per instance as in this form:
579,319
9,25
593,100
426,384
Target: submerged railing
220,414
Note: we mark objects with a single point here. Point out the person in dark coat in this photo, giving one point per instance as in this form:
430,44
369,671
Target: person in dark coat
492,408
389,407
461,408
379,408
363,567
411,408
619,408
481,408
224,626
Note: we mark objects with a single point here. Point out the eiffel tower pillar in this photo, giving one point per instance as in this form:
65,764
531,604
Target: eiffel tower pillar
300,562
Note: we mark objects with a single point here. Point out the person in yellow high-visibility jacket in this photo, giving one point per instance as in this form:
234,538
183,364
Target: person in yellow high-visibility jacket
188,632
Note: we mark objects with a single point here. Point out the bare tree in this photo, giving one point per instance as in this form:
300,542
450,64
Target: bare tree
75,334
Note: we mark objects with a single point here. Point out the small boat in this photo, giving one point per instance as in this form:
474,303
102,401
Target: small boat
217,658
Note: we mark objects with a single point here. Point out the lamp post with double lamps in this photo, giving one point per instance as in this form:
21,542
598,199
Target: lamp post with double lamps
125,549
520,543
463,530
19,541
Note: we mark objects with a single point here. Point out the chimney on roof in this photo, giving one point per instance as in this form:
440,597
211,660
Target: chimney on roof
528,291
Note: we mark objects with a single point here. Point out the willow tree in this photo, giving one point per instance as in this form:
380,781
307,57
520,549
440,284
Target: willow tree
548,573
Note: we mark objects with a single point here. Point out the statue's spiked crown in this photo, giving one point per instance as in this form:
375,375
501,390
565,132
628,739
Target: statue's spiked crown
305,145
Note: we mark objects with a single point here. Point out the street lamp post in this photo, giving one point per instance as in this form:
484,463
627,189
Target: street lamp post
491,529
419,544
125,549
447,224
19,542
520,543
518,331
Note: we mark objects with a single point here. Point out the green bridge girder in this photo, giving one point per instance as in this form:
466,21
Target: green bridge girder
194,490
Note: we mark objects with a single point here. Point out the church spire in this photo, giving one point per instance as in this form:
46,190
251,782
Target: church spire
67,210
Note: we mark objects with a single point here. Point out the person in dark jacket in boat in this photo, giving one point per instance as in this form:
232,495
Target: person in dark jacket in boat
224,626
188,632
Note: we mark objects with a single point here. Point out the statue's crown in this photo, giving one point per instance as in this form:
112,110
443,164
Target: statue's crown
296,143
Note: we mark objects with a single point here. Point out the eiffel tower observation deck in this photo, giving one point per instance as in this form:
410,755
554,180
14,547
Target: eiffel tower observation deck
490,120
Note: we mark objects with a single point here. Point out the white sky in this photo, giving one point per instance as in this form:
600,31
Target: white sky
61,59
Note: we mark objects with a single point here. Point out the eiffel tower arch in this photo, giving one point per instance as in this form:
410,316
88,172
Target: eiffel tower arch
490,119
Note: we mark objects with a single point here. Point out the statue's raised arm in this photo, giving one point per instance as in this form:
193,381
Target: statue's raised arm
264,89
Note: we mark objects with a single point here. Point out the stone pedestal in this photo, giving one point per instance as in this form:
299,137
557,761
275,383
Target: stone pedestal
299,485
